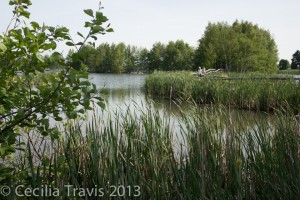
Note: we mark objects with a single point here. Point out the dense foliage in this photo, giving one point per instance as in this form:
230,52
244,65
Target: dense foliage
173,56
239,47
119,58
284,64
296,60
30,97
112,58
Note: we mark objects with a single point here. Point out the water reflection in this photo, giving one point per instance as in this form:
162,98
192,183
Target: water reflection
126,91
126,94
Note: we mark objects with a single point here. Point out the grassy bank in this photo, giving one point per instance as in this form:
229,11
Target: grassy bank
219,157
243,91
290,71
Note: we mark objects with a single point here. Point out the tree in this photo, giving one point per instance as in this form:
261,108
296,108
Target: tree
29,100
156,56
130,58
178,56
283,64
87,55
296,60
102,59
215,47
143,59
239,47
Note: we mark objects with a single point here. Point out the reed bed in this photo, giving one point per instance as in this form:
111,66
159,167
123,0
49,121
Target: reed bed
290,71
253,92
220,156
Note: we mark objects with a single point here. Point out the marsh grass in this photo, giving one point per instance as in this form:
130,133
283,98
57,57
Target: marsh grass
250,91
218,157
290,71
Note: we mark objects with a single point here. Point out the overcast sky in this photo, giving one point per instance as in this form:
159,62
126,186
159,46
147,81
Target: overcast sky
144,22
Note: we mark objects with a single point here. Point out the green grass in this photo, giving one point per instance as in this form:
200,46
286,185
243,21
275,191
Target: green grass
250,91
221,156
290,71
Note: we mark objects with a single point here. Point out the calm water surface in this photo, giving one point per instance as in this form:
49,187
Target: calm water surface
127,91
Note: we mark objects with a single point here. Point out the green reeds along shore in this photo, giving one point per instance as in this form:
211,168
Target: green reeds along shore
251,92
219,156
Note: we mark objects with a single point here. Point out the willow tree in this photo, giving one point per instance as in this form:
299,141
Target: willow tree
239,47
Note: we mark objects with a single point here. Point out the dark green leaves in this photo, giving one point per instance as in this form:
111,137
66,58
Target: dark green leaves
80,34
48,46
62,32
97,29
100,18
239,47
55,94
35,25
89,12
25,14
70,44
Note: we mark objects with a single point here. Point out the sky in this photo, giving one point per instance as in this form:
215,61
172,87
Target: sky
144,22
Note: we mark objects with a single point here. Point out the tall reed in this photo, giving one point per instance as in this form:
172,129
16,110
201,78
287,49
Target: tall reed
246,91
219,156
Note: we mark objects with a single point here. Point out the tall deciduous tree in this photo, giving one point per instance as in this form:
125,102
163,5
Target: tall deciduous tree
296,60
240,47
143,59
156,56
178,56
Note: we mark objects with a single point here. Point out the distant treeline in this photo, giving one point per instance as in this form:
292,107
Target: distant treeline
240,47
120,58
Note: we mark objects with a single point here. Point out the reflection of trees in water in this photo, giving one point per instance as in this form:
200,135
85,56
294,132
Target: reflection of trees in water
125,92
126,95
236,115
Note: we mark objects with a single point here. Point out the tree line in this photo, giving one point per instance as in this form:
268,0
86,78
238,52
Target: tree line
121,58
295,64
239,47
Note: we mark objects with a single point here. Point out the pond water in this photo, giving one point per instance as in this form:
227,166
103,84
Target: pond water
122,89
127,91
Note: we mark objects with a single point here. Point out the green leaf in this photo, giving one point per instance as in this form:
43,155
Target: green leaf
97,29
89,12
94,37
39,57
35,25
79,43
80,34
56,54
110,30
88,24
70,44
3,47
101,104
12,2
48,46
25,14
100,18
